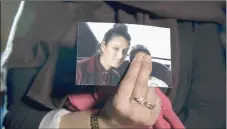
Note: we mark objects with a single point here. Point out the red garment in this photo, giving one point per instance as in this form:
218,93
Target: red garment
91,72
167,119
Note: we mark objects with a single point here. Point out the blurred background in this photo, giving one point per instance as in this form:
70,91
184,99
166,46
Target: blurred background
8,11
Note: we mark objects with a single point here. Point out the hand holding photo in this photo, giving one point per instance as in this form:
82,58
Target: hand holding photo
105,50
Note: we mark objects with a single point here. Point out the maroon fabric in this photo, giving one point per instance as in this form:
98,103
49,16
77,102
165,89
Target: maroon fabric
91,72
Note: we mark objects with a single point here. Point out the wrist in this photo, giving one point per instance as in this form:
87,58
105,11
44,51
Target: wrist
106,122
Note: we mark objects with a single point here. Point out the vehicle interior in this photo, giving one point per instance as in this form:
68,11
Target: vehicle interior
67,56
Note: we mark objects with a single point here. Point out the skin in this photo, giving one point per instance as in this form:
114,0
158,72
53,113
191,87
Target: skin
114,52
150,76
141,53
121,111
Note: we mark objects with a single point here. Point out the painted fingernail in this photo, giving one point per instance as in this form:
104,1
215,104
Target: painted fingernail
147,59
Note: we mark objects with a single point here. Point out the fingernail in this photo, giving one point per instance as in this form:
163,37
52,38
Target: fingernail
147,59
139,57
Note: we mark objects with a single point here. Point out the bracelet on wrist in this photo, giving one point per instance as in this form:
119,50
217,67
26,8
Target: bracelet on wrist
94,119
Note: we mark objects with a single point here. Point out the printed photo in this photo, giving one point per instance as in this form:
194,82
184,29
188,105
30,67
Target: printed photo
105,50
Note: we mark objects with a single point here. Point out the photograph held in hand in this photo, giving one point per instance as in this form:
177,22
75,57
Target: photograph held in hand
105,50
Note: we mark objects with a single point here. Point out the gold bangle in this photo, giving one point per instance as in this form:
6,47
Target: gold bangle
94,119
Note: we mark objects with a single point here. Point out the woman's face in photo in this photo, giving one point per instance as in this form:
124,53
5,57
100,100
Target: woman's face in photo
115,51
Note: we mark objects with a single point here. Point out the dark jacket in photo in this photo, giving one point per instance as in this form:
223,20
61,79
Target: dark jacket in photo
91,72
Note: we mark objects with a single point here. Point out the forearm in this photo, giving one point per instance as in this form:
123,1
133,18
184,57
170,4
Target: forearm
81,119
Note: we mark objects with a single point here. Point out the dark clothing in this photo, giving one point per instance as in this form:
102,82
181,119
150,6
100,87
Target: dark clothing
199,97
203,104
22,113
91,72
23,117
